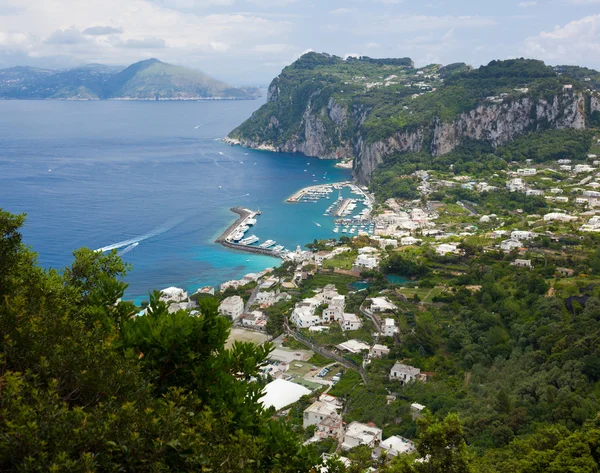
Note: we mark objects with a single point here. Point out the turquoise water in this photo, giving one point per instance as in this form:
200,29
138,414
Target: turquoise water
98,173
395,279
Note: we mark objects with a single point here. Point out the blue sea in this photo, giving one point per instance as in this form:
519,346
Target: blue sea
93,174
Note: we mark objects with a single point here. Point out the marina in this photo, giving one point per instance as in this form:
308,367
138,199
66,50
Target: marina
235,239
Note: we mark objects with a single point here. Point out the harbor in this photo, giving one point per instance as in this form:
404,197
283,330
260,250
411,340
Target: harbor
235,239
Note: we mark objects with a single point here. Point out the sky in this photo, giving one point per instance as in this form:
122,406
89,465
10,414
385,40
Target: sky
250,41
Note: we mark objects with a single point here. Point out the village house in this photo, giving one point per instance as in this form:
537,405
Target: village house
379,351
522,235
522,263
332,313
317,412
534,192
396,445
173,294
407,241
381,304
389,328
232,306
303,315
515,185
416,409
350,322
526,172
509,245
230,284
321,256
446,248
366,261
249,278
565,272
361,434
404,373
558,216
255,319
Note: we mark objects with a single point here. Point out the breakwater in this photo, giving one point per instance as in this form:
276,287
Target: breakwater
225,238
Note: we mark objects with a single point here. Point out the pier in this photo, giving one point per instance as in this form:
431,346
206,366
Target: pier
297,197
225,238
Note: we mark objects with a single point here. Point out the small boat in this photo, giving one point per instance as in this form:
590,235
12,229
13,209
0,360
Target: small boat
336,230
317,224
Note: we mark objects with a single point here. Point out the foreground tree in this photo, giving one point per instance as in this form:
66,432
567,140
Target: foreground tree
87,386
441,449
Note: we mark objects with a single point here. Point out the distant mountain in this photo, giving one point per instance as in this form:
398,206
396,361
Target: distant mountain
144,80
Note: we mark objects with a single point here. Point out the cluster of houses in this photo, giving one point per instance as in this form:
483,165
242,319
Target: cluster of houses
332,304
324,415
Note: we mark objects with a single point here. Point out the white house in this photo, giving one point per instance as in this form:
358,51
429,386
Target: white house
379,351
522,235
350,322
332,313
509,245
558,217
396,445
255,319
317,412
232,306
366,261
249,278
367,250
381,304
389,328
446,248
406,241
404,373
534,192
173,294
303,315
526,172
515,185
266,298
522,263
361,434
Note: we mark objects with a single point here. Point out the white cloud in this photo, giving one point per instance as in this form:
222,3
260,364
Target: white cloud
101,30
411,23
576,42
52,28
584,2
527,4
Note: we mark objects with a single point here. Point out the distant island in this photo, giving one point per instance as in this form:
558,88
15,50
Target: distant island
145,80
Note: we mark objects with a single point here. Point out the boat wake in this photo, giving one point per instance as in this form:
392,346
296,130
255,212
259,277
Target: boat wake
133,242
128,249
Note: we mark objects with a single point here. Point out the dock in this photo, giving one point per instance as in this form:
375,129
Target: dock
297,197
225,238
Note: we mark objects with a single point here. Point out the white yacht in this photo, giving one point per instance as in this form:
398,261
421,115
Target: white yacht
237,236
248,241
336,230
267,244
278,248
251,221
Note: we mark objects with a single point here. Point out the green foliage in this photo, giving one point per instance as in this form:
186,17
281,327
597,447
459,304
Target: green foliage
88,386
441,447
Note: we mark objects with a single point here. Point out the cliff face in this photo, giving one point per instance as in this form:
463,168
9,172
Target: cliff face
321,131
325,107
496,124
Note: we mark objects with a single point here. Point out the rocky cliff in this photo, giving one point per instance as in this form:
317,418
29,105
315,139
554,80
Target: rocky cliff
365,118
